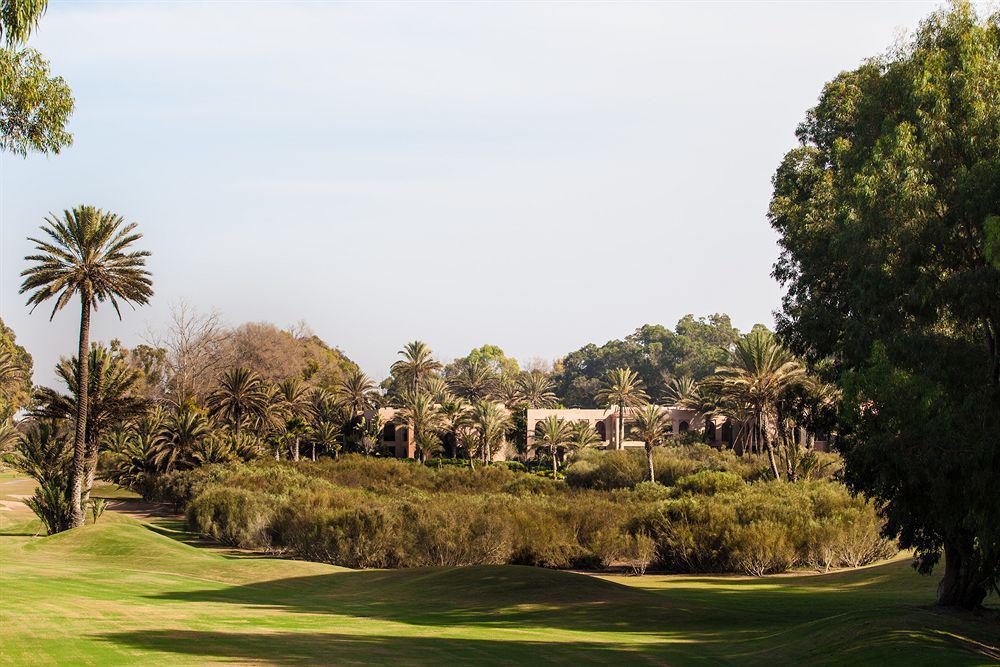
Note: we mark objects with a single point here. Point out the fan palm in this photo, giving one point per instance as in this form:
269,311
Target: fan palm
651,425
112,402
536,389
760,371
423,416
241,396
622,388
416,365
552,433
87,252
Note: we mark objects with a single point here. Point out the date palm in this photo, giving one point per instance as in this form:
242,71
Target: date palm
326,436
552,433
354,390
583,435
536,389
295,404
621,388
423,416
455,416
87,252
417,364
760,371
490,422
651,426
242,396
475,380
112,402
437,387
181,431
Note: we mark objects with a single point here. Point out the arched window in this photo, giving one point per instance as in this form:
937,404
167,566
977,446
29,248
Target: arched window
389,432
684,426
727,432
404,433
601,431
709,430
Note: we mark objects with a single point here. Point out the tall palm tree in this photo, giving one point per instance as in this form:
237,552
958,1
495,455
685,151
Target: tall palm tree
552,433
622,388
354,390
437,387
242,396
295,404
455,416
112,402
490,422
536,389
475,380
422,415
651,426
759,372
88,252
417,364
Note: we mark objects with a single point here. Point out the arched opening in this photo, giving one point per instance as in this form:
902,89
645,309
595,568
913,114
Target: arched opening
727,432
601,431
684,427
709,430
389,432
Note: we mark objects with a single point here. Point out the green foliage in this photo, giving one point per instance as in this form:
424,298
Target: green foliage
15,375
709,483
52,504
34,105
19,18
695,347
887,262
97,507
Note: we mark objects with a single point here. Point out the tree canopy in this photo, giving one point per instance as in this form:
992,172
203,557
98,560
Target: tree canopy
885,217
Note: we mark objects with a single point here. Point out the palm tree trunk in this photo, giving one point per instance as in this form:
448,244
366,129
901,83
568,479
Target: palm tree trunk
314,450
649,460
295,451
770,451
90,471
555,464
620,431
82,405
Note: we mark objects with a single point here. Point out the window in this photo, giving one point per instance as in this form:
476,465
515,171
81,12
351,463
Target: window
683,428
389,432
601,431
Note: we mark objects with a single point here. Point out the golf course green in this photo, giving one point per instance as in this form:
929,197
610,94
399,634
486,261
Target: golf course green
129,591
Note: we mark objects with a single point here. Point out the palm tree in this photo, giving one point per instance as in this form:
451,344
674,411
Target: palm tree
12,376
490,422
583,435
181,432
475,380
536,389
89,253
437,387
417,364
354,391
326,436
651,426
552,433
112,402
240,397
422,415
455,416
622,388
760,371
294,403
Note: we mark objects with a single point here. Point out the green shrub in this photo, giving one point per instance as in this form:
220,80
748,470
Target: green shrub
761,547
709,483
237,517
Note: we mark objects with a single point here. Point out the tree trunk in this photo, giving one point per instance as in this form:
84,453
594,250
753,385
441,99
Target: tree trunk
555,464
295,451
649,460
620,431
959,586
314,451
90,471
770,451
82,405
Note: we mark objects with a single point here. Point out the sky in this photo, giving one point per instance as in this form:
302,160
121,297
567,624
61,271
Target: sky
536,176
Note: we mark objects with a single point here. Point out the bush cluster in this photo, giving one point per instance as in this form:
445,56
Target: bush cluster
359,512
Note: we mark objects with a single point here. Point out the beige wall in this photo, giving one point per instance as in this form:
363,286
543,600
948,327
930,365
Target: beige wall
609,418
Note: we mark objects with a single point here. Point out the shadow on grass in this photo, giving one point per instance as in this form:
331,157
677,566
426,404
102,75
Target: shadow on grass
285,648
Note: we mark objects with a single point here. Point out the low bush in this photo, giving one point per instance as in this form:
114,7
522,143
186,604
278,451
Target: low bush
383,513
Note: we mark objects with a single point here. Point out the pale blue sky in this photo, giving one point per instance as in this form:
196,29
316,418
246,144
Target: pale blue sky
537,176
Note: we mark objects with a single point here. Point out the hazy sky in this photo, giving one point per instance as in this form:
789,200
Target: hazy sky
537,176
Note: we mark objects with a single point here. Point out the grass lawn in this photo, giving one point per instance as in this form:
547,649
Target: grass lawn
124,591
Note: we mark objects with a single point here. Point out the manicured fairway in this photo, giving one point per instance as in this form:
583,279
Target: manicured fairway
124,592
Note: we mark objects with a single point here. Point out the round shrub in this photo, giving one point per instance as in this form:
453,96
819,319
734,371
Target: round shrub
709,483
